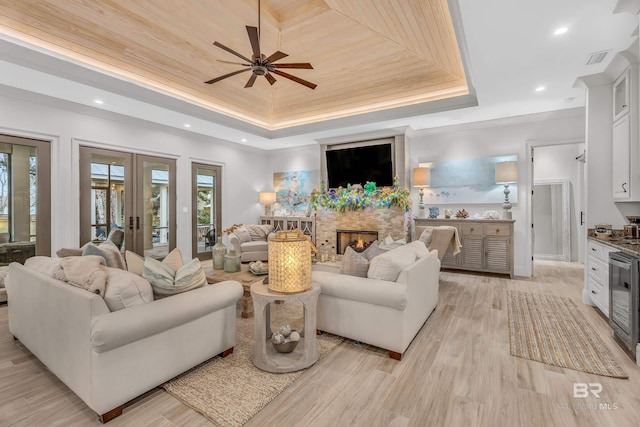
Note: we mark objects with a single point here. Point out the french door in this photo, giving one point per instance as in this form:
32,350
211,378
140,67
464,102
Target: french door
132,192
207,205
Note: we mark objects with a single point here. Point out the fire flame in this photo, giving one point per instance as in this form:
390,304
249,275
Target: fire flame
360,244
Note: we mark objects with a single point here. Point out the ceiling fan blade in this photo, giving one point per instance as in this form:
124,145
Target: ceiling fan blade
301,65
270,79
217,79
251,81
255,42
221,46
234,63
296,79
276,56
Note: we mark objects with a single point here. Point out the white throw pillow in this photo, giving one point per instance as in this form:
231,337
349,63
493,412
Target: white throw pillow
43,264
426,236
125,289
167,281
174,259
243,234
388,266
135,263
419,248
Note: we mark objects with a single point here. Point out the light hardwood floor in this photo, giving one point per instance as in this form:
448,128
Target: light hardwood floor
457,372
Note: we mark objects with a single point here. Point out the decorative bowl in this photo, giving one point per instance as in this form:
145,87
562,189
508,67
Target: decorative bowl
286,347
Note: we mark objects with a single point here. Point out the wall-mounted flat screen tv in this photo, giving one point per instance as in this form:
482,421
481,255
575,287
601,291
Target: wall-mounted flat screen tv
357,165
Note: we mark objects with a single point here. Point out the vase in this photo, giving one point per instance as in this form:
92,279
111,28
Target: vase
231,262
219,250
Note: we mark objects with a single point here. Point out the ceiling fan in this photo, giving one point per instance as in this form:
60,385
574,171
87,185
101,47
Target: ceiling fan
259,64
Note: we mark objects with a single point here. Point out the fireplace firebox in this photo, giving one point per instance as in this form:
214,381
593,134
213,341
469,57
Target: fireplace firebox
359,240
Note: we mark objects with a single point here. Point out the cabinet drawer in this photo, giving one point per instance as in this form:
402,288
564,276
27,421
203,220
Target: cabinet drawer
598,270
471,229
599,295
599,251
497,230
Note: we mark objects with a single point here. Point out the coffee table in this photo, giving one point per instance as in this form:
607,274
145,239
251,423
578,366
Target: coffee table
244,277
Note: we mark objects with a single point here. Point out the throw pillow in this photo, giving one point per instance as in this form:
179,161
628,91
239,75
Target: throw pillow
65,252
166,281
190,276
174,259
372,251
426,236
135,263
389,244
258,232
159,274
107,250
243,234
354,264
83,272
43,264
387,266
419,248
116,235
124,289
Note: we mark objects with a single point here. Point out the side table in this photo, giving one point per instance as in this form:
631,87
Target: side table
265,356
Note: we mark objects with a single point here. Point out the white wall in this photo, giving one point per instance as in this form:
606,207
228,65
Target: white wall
558,162
498,138
243,168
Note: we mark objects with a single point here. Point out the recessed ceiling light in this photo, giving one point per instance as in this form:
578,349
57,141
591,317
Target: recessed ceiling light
98,101
187,125
560,30
244,140
540,88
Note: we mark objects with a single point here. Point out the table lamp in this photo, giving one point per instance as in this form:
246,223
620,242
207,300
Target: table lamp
506,173
421,179
290,262
267,198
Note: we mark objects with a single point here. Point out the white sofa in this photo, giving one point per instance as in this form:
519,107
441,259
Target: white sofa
251,246
108,358
382,313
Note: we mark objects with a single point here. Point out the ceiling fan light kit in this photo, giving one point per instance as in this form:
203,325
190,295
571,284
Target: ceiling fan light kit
259,65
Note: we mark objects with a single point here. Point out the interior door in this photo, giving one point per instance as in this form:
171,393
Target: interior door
131,192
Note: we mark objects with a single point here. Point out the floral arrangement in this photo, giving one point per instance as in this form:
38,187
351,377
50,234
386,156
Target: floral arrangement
356,197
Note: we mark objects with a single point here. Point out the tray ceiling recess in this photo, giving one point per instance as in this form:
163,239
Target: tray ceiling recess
367,55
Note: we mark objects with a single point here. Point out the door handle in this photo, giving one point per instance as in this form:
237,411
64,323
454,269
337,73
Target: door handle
137,223
130,223
624,188
581,218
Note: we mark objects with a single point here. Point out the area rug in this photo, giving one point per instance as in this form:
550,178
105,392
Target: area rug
551,330
229,391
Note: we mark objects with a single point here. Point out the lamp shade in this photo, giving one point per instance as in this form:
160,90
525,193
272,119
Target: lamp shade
506,172
290,262
267,197
421,177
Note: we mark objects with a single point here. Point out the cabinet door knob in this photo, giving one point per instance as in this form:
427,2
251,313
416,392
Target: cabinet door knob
497,231
593,268
471,229
594,292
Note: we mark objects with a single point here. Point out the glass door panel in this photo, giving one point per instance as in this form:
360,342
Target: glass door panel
156,194
104,203
207,221
25,200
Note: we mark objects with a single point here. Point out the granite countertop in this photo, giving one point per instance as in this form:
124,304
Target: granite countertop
617,241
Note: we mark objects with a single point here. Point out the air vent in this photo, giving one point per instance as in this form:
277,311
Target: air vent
597,57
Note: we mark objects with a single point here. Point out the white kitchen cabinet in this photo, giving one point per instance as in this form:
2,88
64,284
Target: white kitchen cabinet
621,159
597,274
625,183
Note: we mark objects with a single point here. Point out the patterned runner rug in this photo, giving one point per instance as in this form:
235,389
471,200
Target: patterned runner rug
551,330
229,391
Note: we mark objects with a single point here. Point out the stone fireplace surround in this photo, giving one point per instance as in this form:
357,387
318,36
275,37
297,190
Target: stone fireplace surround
392,221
